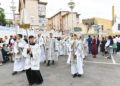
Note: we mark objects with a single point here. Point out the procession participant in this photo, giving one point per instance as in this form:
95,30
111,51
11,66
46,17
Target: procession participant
19,60
41,43
61,51
56,48
32,62
25,38
65,46
76,57
51,50
81,41
58,45
85,45
69,48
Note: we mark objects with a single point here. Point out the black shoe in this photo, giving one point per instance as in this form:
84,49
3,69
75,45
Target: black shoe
12,61
30,84
48,64
39,83
23,71
4,62
53,62
44,62
14,73
108,57
79,75
75,75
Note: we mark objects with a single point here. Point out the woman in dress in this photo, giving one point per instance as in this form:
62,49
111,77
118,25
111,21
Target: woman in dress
94,47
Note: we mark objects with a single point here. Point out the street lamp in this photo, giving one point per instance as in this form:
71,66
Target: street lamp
71,5
32,21
13,8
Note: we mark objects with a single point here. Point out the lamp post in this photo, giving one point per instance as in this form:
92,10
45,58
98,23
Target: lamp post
13,8
71,5
32,21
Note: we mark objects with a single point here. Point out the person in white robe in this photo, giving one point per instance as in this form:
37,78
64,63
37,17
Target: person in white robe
50,46
56,48
32,62
58,45
19,60
85,46
65,47
69,42
61,51
41,43
76,57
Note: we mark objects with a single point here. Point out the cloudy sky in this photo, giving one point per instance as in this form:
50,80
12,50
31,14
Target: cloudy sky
87,8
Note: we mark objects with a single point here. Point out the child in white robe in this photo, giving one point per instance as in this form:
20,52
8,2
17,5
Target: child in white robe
19,60
41,43
32,62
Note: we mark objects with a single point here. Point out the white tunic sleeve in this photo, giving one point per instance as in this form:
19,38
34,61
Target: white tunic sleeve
15,50
24,53
107,43
41,41
35,51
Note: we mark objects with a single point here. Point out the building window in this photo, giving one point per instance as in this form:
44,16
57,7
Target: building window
118,26
42,20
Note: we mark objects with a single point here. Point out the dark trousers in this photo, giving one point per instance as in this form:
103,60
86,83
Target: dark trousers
34,77
90,48
5,56
114,50
97,49
118,47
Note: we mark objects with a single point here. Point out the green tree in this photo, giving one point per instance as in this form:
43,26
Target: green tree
2,17
9,22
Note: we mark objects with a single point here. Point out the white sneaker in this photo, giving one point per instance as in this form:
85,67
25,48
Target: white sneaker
106,57
118,53
0,64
